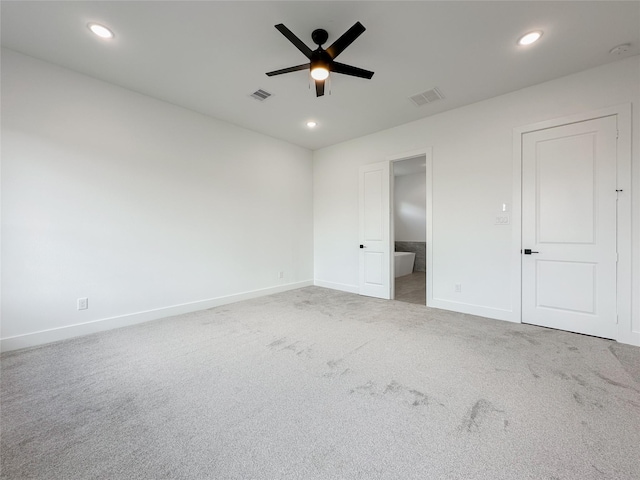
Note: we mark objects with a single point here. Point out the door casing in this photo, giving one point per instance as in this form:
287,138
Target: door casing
427,152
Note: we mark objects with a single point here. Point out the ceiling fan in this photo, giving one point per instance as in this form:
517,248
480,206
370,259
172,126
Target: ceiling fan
321,61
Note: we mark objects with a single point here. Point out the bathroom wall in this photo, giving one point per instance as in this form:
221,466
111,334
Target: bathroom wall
410,216
419,248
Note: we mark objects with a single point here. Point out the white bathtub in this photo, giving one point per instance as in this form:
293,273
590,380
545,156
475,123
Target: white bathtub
404,263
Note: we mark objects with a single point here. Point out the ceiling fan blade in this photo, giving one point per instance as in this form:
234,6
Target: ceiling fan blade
319,88
304,66
300,45
345,40
349,70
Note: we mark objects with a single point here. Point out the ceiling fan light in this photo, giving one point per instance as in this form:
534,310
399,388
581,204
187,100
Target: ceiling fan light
319,73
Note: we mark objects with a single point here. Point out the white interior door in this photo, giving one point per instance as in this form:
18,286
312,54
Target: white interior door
374,231
569,227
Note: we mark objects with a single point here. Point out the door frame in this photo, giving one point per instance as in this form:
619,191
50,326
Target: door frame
428,154
622,113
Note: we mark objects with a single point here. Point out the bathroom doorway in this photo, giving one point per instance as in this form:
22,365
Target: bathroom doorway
409,229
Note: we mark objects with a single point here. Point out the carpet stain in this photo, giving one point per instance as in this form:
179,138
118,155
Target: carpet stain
291,346
561,374
358,348
277,342
334,363
420,398
392,387
581,401
307,352
580,381
26,441
479,415
396,391
307,305
614,383
368,387
524,336
412,397
535,375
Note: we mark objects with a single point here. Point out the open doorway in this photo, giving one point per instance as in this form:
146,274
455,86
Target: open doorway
409,229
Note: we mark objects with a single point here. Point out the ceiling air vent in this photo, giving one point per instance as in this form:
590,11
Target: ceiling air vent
429,96
260,94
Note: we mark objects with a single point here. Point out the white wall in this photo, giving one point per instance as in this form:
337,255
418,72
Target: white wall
472,177
410,207
145,208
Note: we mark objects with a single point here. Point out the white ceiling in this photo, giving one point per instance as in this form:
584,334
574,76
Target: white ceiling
209,56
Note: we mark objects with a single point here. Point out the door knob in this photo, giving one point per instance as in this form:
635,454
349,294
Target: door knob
528,251
361,246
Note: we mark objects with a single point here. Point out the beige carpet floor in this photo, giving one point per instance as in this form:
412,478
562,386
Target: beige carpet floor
320,384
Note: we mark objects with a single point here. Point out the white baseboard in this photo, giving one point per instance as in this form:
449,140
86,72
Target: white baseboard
337,286
479,310
62,333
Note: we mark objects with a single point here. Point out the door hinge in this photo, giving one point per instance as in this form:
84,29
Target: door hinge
616,319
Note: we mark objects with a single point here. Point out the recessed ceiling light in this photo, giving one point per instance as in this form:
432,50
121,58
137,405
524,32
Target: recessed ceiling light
311,124
529,38
100,30
620,49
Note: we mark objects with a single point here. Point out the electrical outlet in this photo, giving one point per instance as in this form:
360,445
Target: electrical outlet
83,303
281,275
458,288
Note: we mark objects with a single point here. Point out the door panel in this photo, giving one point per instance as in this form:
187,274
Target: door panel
373,215
374,233
565,176
578,294
569,224
374,266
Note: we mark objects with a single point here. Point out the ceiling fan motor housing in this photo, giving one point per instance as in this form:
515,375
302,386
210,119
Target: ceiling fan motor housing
319,36
321,59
